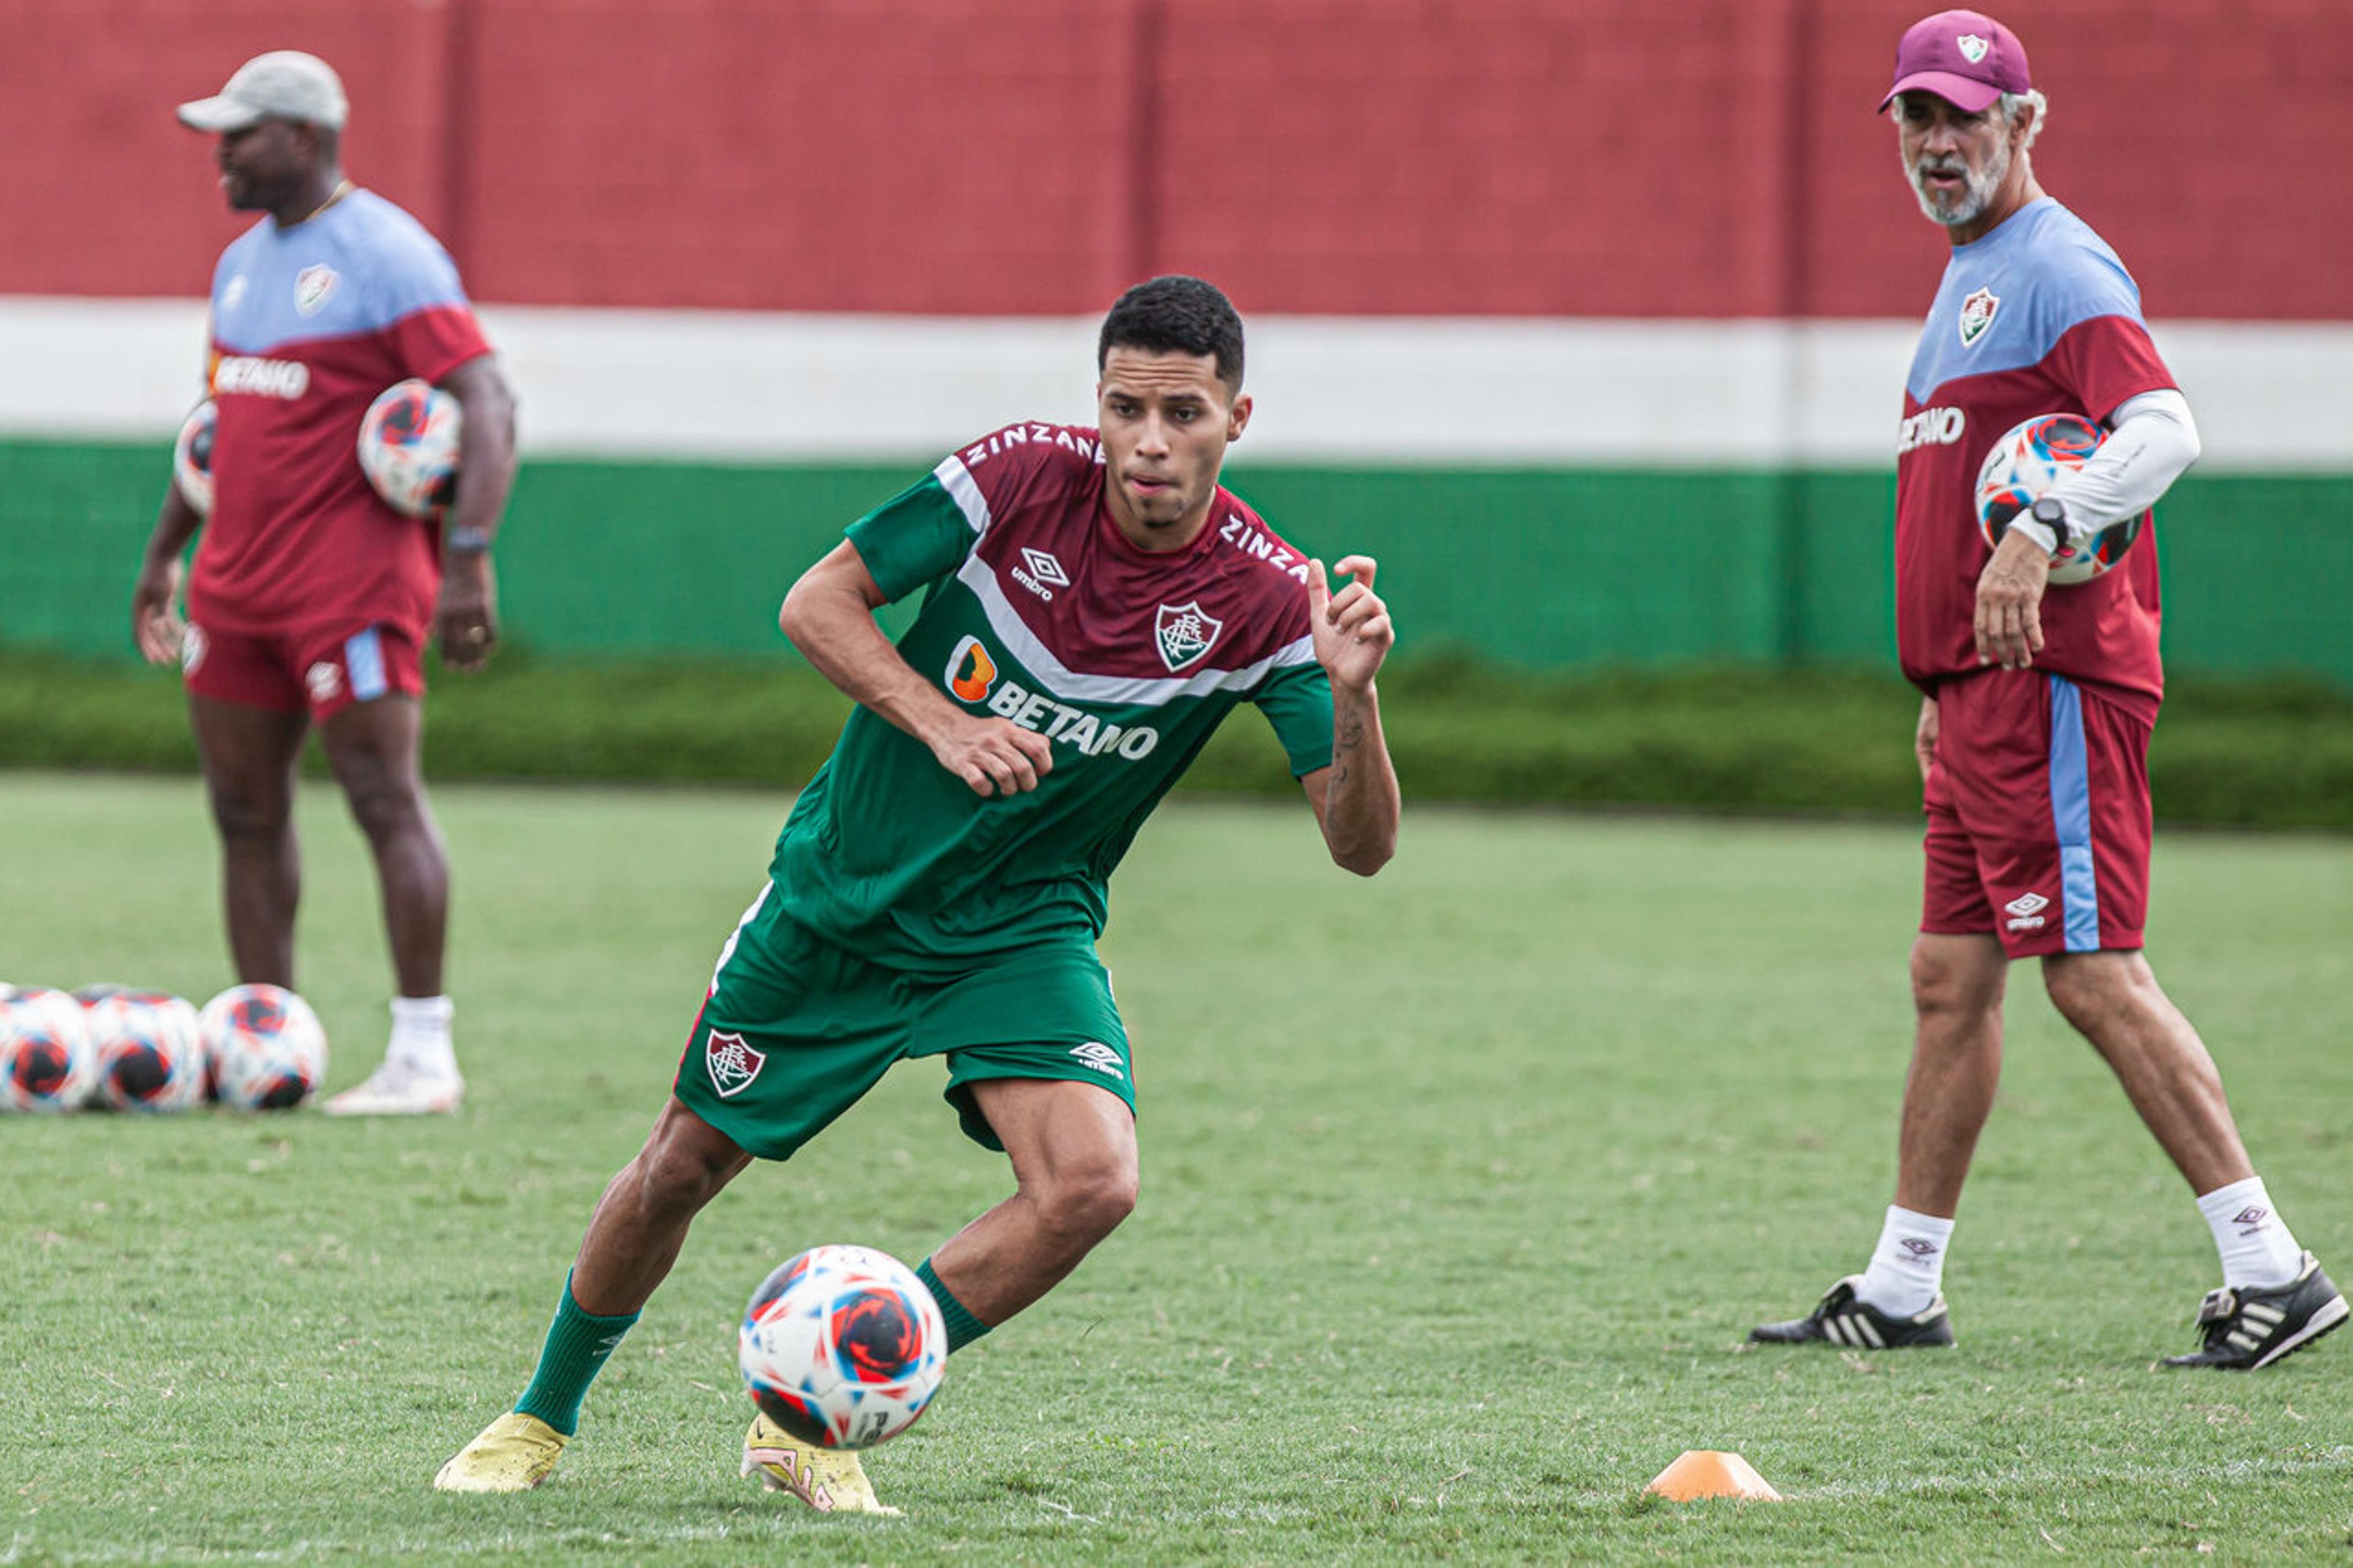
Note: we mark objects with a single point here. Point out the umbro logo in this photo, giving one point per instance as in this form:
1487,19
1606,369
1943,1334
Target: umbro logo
1919,1246
1100,1057
2251,1219
2026,911
1041,573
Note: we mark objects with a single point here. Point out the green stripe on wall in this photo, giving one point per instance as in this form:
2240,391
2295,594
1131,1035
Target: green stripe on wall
1539,567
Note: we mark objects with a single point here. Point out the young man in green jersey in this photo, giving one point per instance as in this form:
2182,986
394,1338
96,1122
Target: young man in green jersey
1094,605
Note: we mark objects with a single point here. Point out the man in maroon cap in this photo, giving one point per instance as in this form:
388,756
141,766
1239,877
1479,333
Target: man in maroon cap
2040,693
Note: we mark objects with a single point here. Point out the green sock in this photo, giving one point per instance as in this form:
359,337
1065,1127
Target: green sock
577,1344
963,1327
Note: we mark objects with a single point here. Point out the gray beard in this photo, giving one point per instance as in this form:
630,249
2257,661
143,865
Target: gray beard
1977,193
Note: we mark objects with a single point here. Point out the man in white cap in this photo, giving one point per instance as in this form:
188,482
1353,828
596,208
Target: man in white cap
2034,724
310,598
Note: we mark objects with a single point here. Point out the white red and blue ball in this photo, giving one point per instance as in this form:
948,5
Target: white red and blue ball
408,446
2023,466
843,1347
45,1060
192,459
266,1048
150,1056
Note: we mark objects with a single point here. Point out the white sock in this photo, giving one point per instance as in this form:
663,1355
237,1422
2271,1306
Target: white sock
1907,1266
420,1035
2258,1249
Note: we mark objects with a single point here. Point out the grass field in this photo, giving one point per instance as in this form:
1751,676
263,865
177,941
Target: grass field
1462,1188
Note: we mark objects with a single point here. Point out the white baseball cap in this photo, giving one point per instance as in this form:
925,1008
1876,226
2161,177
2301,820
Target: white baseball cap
284,84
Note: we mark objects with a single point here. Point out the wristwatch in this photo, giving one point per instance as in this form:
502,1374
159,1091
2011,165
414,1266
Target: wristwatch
2052,514
466,540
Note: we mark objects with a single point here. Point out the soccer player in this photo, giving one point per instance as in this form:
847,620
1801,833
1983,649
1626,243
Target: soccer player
2033,733
1095,606
311,598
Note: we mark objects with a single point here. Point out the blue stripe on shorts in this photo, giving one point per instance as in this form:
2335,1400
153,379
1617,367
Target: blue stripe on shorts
364,660
2071,812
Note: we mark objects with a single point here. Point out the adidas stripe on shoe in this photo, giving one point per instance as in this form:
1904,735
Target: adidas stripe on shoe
1839,1319
2245,1329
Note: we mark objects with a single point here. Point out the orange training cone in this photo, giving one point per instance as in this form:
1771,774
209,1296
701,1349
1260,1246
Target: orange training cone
1703,1473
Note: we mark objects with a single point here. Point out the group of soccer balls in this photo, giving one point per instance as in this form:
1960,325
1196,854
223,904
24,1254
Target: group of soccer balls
112,1048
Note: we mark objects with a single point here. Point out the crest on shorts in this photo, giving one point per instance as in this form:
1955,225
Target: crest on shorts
312,285
1973,49
1184,633
1976,315
732,1065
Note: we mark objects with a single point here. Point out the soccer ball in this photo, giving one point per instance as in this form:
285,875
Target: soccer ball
842,1347
408,446
2027,461
46,1062
150,1055
266,1048
191,460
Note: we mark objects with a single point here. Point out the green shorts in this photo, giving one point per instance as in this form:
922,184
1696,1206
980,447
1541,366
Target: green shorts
795,1028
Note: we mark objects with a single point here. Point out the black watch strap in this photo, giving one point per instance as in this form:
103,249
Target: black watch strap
2052,514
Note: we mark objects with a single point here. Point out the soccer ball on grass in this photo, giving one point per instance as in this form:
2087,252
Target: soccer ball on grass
150,1056
267,1049
842,1347
46,1061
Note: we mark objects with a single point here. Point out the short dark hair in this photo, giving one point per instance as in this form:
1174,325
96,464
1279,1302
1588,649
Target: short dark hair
1177,314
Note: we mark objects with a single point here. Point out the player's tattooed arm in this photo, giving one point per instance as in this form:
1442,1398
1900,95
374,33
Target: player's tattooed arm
1347,741
1356,799
829,616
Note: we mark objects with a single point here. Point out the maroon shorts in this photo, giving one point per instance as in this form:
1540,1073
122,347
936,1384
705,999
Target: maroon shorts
2038,816
324,671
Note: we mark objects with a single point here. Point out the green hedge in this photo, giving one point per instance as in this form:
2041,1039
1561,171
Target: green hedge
2269,754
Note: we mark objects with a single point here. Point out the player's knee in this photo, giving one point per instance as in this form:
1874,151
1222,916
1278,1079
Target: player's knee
384,805
1942,988
684,1164
1087,1202
2087,987
250,815
675,1177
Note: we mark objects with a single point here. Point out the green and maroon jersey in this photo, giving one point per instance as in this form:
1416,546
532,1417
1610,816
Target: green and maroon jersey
1038,610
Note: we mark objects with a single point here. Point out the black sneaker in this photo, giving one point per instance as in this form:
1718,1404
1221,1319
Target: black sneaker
2247,1329
1839,1319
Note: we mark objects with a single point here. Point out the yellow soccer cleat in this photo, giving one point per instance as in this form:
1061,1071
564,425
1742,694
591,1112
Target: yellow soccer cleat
829,1481
513,1453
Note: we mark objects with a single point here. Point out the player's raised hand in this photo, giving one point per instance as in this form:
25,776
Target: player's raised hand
2009,603
994,756
155,625
1351,627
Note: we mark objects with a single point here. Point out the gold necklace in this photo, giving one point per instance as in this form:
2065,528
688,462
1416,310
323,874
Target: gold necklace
342,188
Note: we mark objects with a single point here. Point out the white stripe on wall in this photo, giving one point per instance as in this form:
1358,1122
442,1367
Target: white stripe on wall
1458,391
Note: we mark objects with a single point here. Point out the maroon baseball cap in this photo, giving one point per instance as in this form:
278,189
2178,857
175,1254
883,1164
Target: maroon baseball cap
1965,58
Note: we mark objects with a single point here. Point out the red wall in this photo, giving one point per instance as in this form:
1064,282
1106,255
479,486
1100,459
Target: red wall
1552,157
